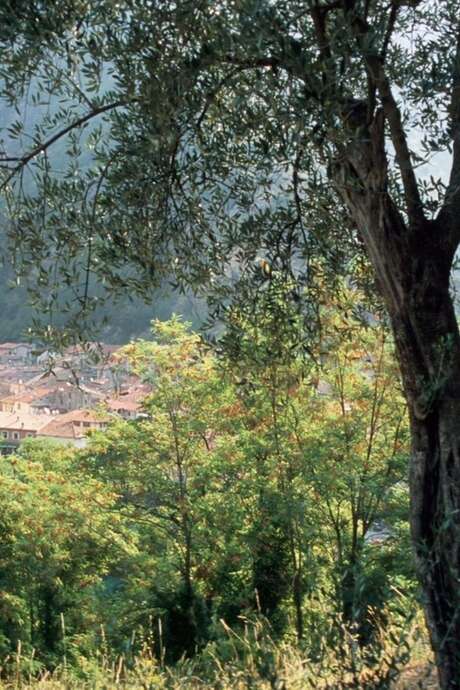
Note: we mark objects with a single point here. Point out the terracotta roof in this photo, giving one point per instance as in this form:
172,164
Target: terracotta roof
22,421
83,416
14,346
122,404
26,396
91,349
67,425
136,393
60,429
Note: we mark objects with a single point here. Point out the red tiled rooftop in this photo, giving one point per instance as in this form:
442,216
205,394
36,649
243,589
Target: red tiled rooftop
67,425
21,421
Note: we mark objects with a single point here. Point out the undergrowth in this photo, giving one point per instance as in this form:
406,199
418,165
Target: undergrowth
247,660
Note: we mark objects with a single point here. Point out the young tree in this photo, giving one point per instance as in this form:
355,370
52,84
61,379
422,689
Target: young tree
265,362
248,126
60,537
327,436
352,432
169,470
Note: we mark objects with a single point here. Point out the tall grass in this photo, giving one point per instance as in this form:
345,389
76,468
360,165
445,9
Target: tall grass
242,660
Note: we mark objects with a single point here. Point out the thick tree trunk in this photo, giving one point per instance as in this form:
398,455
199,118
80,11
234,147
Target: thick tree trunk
428,347
435,477
435,486
412,262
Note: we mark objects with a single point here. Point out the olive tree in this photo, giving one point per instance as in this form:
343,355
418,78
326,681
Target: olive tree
204,138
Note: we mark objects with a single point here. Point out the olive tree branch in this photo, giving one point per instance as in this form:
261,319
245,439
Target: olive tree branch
399,140
450,210
22,161
377,80
375,65
389,30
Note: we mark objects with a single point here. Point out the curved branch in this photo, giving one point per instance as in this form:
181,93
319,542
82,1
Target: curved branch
378,79
22,161
399,140
93,219
389,30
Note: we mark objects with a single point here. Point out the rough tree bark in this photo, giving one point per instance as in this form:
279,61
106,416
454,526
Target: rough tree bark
412,258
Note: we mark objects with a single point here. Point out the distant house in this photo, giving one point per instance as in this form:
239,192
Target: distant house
50,398
62,397
72,427
92,360
128,403
67,428
16,352
37,399
23,401
5,353
18,375
15,427
124,407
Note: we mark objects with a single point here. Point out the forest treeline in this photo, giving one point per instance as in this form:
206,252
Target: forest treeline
265,483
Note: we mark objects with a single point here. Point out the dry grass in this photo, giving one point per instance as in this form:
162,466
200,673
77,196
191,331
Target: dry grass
418,676
415,677
249,661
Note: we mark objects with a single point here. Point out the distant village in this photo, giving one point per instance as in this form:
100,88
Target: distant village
62,396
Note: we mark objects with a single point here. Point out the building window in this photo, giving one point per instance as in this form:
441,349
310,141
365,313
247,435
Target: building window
5,434
15,435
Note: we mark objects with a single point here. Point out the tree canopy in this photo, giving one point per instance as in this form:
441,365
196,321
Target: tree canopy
242,492
200,139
